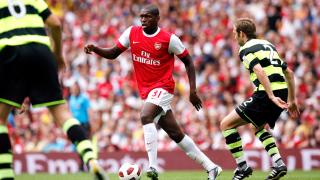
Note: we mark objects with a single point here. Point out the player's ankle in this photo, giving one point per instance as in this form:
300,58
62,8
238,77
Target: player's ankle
92,162
279,163
242,165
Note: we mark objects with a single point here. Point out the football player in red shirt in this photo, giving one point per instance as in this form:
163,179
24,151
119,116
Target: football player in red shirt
153,51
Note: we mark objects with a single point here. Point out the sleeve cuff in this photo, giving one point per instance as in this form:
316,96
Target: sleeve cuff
45,14
284,66
120,46
183,54
253,63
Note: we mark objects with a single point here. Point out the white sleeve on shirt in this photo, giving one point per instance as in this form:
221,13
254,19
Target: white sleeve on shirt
175,45
124,38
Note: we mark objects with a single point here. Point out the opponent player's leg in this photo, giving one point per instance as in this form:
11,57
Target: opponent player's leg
44,90
78,137
148,114
233,140
279,169
6,158
170,125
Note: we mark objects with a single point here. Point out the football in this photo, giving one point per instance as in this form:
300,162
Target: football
129,171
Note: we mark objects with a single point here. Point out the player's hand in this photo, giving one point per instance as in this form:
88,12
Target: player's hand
61,63
279,102
293,110
89,48
195,100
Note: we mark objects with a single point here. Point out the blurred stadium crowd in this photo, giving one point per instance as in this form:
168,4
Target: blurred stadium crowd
205,27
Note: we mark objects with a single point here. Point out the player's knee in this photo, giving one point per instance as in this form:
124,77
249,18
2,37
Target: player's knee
3,122
176,136
146,118
60,113
224,125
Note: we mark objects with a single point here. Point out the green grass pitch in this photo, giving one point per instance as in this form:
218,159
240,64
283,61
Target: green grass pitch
178,175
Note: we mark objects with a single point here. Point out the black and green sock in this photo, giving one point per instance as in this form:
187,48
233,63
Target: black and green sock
233,141
6,158
78,137
270,146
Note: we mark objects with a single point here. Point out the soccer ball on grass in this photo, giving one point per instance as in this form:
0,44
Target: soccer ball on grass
129,171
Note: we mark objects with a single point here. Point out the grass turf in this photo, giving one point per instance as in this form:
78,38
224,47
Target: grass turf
177,175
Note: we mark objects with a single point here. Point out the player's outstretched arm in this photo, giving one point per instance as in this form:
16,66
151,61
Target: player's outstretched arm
292,102
193,97
108,53
262,77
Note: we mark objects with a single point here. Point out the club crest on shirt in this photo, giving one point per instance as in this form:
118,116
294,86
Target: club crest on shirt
157,45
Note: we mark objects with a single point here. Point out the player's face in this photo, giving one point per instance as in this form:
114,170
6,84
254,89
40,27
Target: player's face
238,36
148,20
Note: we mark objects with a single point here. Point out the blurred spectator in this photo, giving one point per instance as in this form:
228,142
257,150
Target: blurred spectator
80,106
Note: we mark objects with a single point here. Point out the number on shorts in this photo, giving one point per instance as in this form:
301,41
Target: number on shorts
157,93
247,101
272,61
17,3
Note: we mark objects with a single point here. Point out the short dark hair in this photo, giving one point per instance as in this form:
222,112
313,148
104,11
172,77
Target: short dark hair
247,26
152,9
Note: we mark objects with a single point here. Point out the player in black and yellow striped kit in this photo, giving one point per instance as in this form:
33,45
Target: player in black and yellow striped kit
28,68
274,83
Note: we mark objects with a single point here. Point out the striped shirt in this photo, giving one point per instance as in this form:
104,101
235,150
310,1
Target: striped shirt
263,52
22,22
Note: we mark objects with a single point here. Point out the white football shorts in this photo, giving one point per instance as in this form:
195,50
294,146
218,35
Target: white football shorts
162,98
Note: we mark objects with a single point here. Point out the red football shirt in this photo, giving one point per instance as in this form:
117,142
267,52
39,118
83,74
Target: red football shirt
153,57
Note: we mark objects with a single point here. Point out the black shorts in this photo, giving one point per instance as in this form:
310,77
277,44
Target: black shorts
259,109
29,71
